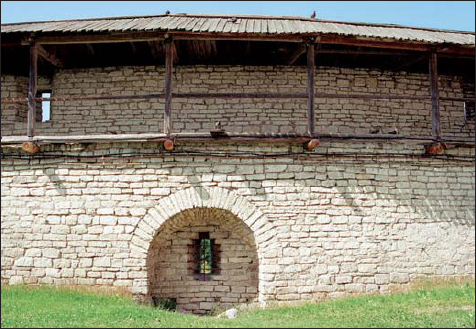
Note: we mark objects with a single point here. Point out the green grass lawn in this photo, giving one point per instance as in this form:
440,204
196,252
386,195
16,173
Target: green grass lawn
437,306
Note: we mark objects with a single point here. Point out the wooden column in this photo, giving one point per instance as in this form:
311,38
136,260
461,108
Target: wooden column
168,85
32,91
310,87
435,97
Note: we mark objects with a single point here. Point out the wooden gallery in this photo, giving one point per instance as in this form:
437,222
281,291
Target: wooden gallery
209,161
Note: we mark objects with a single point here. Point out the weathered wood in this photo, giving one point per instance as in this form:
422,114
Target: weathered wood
89,49
168,86
175,53
397,44
435,148
457,99
370,96
49,56
240,95
296,54
364,52
235,95
310,88
32,82
169,145
312,144
128,36
30,147
435,108
113,37
408,63
10,140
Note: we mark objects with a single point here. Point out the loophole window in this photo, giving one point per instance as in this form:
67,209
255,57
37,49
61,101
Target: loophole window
204,257
469,113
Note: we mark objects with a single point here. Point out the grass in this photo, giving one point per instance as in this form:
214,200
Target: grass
447,305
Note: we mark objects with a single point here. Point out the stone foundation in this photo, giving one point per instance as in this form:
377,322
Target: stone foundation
346,218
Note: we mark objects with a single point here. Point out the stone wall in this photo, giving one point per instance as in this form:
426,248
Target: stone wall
346,218
253,115
171,261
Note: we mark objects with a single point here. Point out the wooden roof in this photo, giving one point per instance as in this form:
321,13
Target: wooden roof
248,25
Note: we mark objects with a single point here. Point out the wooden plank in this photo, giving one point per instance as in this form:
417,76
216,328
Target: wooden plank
49,56
435,108
11,140
310,88
99,38
32,83
240,95
409,63
234,95
396,44
372,96
295,55
168,86
180,35
457,99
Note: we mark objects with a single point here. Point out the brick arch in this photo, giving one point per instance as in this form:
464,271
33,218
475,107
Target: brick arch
203,197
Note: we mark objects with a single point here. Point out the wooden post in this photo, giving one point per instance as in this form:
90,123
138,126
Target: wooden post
32,91
168,85
310,88
435,97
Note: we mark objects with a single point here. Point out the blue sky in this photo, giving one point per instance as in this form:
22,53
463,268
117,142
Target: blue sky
456,15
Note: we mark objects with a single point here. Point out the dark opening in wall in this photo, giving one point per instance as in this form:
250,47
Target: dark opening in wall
469,112
204,257
169,304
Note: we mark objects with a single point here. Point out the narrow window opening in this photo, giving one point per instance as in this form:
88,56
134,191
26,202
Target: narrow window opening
204,257
469,112
205,254
43,108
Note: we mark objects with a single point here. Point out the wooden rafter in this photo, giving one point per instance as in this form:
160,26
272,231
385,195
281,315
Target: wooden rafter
50,57
296,54
32,88
168,86
310,87
435,108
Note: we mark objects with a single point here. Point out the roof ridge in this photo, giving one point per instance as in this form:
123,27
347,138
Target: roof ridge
298,18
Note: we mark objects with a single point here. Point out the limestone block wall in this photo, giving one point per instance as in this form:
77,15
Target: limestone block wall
13,87
347,218
171,263
253,115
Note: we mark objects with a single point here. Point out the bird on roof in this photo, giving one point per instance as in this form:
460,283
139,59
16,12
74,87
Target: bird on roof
313,14
167,12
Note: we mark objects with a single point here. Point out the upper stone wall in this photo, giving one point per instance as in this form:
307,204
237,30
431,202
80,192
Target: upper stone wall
246,115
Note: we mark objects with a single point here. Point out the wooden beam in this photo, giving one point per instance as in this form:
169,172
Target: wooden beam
234,95
435,109
310,87
154,49
407,64
168,85
396,44
175,53
312,144
30,147
295,56
99,38
90,49
49,56
180,35
32,82
39,140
